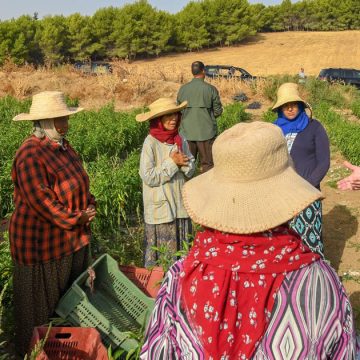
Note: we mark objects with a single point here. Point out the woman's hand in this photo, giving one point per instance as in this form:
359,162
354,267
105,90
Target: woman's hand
87,216
352,182
91,211
179,158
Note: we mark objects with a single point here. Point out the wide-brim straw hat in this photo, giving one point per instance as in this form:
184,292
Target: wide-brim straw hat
160,107
252,186
289,92
48,105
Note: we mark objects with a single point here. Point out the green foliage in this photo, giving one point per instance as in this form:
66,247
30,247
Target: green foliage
79,37
228,21
17,40
53,39
6,303
11,136
232,115
269,116
322,91
140,30
132,354
272,83
117,188
106,132
355,107
192,31
39,347
342,133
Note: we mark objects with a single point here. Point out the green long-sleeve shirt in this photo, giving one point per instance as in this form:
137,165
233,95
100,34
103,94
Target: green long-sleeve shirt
198,119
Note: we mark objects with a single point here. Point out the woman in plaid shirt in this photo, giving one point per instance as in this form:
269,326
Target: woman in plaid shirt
49,229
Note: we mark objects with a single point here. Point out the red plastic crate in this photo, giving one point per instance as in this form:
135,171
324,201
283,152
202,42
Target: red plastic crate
148,281
69,343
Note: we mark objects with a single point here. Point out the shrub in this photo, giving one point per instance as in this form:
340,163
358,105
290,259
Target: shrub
322,91
355,107
272,83
342,133
233,114
106,132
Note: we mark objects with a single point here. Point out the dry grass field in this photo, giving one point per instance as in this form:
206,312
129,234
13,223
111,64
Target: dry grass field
281,53
136,84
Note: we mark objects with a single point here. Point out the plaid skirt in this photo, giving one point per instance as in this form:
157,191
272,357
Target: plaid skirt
170,235
37,290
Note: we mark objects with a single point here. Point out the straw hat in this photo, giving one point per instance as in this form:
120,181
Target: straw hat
47,105
286,93
160,107
252,186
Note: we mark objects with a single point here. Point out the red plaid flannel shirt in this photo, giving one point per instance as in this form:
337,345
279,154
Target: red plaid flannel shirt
51,190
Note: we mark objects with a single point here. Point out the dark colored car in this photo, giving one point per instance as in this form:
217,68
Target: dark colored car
346,76
227,72
94,67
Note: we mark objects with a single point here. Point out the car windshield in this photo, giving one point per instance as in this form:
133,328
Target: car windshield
356,74
211,70
323,72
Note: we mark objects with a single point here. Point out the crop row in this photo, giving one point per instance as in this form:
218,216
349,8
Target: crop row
109,143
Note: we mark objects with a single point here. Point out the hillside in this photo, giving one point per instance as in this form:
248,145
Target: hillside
139,83
282,53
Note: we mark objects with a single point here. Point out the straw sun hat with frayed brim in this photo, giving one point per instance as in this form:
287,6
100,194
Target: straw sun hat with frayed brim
160,107
288,92
47,105
252,186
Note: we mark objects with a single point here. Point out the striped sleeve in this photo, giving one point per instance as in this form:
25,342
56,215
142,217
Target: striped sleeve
168,335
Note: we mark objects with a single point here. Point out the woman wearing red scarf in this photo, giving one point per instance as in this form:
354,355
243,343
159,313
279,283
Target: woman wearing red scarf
165,162
249,288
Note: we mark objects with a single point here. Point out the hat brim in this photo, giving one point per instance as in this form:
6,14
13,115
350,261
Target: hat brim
54,115
245,208
154,114
280,103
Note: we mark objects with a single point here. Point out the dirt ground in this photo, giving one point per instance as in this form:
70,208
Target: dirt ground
341,211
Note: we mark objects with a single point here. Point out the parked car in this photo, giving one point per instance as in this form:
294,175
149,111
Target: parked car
94,67
346,76
227,72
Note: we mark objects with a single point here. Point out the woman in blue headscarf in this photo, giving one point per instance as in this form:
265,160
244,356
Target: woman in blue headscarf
308,145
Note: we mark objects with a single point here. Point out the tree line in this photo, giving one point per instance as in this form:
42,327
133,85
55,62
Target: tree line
139,30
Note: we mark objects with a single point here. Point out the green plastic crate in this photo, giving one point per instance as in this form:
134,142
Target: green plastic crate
114,307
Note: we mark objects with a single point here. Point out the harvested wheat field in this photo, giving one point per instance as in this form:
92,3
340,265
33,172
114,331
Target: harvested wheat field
281,53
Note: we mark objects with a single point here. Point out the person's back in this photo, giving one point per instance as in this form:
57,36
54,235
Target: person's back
198,119
249,288
311,319
198,123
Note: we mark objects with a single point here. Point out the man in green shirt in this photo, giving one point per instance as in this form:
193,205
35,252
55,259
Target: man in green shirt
198,124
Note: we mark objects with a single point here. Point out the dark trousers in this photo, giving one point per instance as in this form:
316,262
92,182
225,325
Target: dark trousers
204,149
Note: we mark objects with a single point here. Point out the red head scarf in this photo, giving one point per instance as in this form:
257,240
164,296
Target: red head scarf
230,283
158,131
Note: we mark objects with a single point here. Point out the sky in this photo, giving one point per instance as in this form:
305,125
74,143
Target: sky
15,8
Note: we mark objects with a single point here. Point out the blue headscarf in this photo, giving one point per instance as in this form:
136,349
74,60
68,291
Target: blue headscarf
293,126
